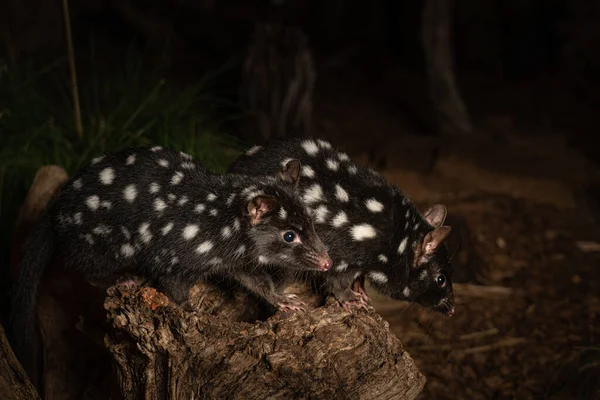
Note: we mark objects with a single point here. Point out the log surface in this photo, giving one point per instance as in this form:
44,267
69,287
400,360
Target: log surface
164,352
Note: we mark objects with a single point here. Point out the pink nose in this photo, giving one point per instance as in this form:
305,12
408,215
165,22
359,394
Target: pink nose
450,312
325,264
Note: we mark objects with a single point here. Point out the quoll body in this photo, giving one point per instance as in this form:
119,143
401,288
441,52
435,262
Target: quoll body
371,229
159,214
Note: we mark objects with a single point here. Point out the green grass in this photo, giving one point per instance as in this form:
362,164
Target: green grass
123,106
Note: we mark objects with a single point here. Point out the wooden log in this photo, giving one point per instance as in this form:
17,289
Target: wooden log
164,352
14,384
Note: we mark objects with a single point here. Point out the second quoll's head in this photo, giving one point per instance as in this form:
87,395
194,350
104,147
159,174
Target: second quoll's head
281,227
428,275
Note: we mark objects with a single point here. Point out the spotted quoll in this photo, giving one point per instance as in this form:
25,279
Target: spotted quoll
159,214
371,229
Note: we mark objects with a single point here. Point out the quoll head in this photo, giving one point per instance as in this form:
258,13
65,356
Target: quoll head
429,280
282,228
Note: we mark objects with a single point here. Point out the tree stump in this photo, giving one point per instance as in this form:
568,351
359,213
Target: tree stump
278,80
164,352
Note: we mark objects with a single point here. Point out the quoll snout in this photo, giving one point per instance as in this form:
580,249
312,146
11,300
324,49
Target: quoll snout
325,262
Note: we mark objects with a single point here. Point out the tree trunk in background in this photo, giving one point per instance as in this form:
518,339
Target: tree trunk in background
162,352
451,111
278,84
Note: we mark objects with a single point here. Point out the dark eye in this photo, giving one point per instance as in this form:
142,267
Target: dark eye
289,236
441,280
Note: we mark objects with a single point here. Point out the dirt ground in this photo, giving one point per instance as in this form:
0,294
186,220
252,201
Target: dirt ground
527,274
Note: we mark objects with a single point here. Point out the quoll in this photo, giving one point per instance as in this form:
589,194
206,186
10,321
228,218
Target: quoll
161,215
371,229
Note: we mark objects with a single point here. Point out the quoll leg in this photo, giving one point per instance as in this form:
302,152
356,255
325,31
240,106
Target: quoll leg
263,286
340,286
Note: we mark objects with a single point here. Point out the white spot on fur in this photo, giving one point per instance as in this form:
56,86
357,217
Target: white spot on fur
156,148
177,178
130,193
88,238
382,258
253,194
215,261
199,208
190,232
106,204
362,232
341,194
263,260
324,144
174,260
230,199
214,212
163,163
240,250
188,165
320,214
154,187
343,157
307,171
167,228
77,184
374,205
183,200
93,202
171,197
406,225
159,204
416,227
97,160
379,277
402,245
248,190
352,170
313,194
127,250
205,247
310,147
185,155
332,164
423,274
226,232
342,266
253,150
144,231
130,160
78,217
102,230
407,214
340,219
406,292
211,197
126,233
236,224
282,213
107,176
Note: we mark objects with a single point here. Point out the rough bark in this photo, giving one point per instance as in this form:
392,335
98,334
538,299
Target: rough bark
452,114
14,384
163,352
278,81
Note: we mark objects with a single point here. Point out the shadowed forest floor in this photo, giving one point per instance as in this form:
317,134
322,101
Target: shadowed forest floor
517,205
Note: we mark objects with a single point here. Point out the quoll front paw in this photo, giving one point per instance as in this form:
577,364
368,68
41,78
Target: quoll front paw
290,302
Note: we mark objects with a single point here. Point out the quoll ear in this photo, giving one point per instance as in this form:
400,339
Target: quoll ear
290,173
436,215
259,206
434,238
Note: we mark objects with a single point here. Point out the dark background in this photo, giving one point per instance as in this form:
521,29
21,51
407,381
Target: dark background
522,190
